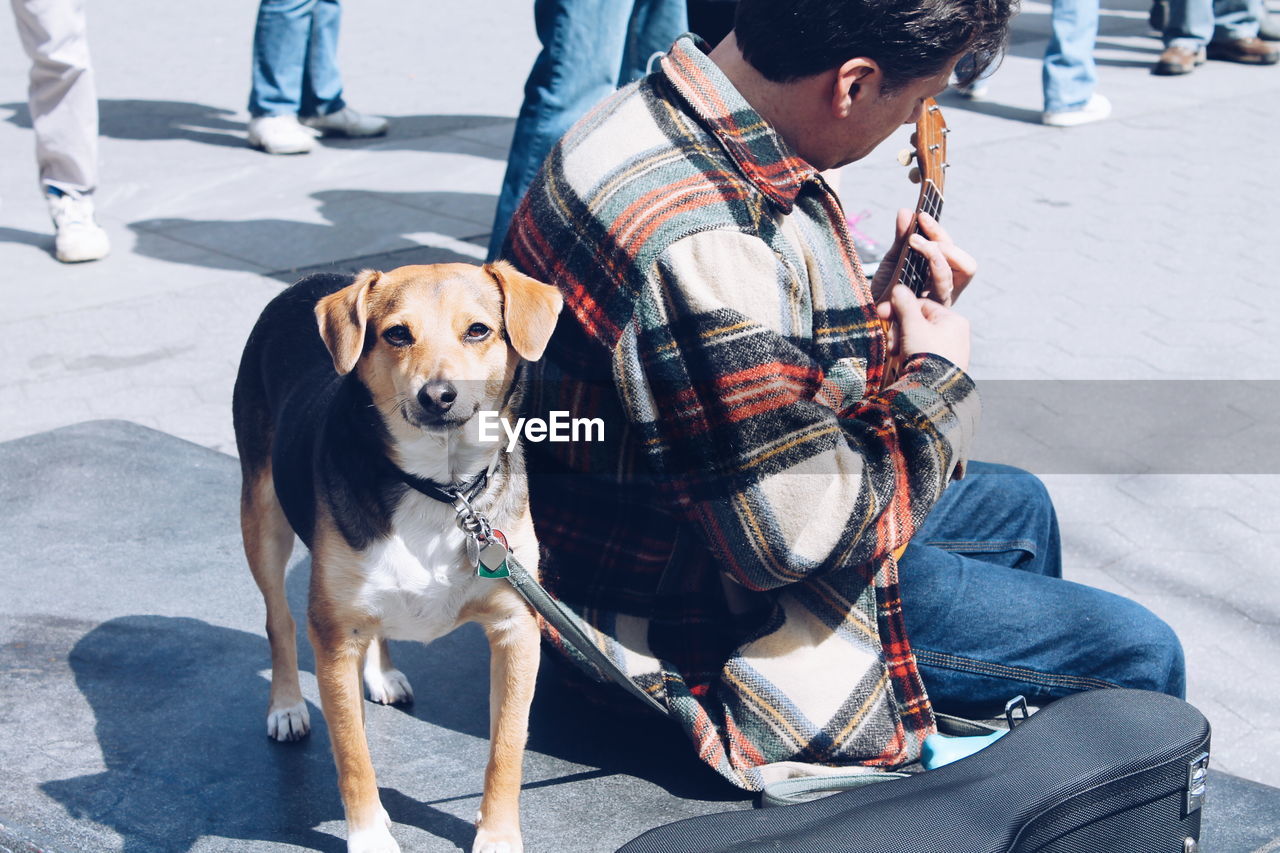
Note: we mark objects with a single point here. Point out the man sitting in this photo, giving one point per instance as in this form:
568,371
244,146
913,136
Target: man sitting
777,426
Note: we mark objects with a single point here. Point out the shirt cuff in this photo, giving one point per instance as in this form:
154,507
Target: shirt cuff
947,397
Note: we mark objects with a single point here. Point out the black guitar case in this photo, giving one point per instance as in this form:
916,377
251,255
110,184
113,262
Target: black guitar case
1108,771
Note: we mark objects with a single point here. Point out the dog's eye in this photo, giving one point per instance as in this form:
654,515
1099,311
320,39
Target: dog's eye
398,336
477,332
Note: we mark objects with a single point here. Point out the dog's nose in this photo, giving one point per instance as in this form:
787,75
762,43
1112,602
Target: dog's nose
437,395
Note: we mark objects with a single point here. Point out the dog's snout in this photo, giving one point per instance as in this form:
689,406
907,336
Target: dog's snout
437,395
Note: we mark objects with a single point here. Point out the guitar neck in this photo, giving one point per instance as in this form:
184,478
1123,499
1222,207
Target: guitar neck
914,269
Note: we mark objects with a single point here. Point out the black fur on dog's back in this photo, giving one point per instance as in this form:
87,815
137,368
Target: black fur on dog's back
318,430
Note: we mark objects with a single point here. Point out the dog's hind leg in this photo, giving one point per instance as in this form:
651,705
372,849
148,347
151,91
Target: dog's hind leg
385,683
268,542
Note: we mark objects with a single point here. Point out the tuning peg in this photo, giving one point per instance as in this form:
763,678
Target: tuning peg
946,130
907,156
914,175
915,139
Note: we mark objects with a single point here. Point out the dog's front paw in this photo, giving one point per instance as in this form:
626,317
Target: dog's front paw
388,688
497,841
373,839
291,722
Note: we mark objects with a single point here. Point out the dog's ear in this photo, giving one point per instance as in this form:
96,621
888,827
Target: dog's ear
342,317
529,309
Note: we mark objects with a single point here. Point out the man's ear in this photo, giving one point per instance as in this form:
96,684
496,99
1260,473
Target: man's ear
342,317
529,309
856,78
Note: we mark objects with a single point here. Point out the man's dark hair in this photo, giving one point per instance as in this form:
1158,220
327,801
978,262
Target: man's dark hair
788,40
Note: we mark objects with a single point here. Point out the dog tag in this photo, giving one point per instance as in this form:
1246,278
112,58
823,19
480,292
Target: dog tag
473,551
493,558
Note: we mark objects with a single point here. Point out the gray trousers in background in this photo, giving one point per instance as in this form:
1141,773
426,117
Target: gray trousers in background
62,95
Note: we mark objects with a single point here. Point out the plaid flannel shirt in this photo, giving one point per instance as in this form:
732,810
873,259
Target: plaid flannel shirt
729,542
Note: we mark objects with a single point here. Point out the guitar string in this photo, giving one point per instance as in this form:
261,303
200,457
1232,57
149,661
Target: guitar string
913,269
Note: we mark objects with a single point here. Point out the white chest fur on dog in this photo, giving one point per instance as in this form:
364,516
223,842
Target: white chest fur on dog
417,581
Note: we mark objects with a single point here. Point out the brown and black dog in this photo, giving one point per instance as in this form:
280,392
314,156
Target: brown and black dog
351,390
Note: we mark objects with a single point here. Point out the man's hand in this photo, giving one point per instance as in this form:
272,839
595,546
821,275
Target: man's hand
922,325
950,267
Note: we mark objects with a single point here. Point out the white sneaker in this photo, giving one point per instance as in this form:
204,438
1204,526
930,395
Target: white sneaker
347,122
281,134
78,237
1095,109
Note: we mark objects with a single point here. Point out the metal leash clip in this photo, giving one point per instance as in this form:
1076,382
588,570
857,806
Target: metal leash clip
486,548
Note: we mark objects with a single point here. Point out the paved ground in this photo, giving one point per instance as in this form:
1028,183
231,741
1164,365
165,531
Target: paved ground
1135,249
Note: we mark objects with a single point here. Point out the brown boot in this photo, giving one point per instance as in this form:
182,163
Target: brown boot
1179,60
1253,51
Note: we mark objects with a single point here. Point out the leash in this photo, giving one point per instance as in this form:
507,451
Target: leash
492,558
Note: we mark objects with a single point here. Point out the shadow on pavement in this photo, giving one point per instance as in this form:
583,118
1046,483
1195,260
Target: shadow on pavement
180,709
437,134
135,118
129,118
952,101
361,232
179,718
30,238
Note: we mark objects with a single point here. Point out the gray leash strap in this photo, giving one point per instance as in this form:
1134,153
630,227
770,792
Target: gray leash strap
553,611
482,537
786,792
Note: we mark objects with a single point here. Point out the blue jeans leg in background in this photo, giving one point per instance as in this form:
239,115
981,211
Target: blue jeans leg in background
990,617
589,49
295,49
1069,75
1194,23
1236,19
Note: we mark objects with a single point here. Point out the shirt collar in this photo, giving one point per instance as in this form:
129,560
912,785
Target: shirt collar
760,153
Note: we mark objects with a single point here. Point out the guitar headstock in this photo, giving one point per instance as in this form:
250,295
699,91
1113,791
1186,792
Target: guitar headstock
930,141
930,155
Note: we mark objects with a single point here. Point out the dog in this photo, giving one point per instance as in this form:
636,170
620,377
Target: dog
352,395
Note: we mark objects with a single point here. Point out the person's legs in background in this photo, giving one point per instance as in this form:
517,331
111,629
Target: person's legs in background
1196,30
1188,26
64,114
653,28
1069,75
296,89
281,41
1235,33
989,615
322,107
320,87
587,51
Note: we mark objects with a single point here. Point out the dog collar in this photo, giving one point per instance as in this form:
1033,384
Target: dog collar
445,494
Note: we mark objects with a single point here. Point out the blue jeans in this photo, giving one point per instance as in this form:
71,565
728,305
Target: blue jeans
295,59
589,49
1194,23
990,617
1069,75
